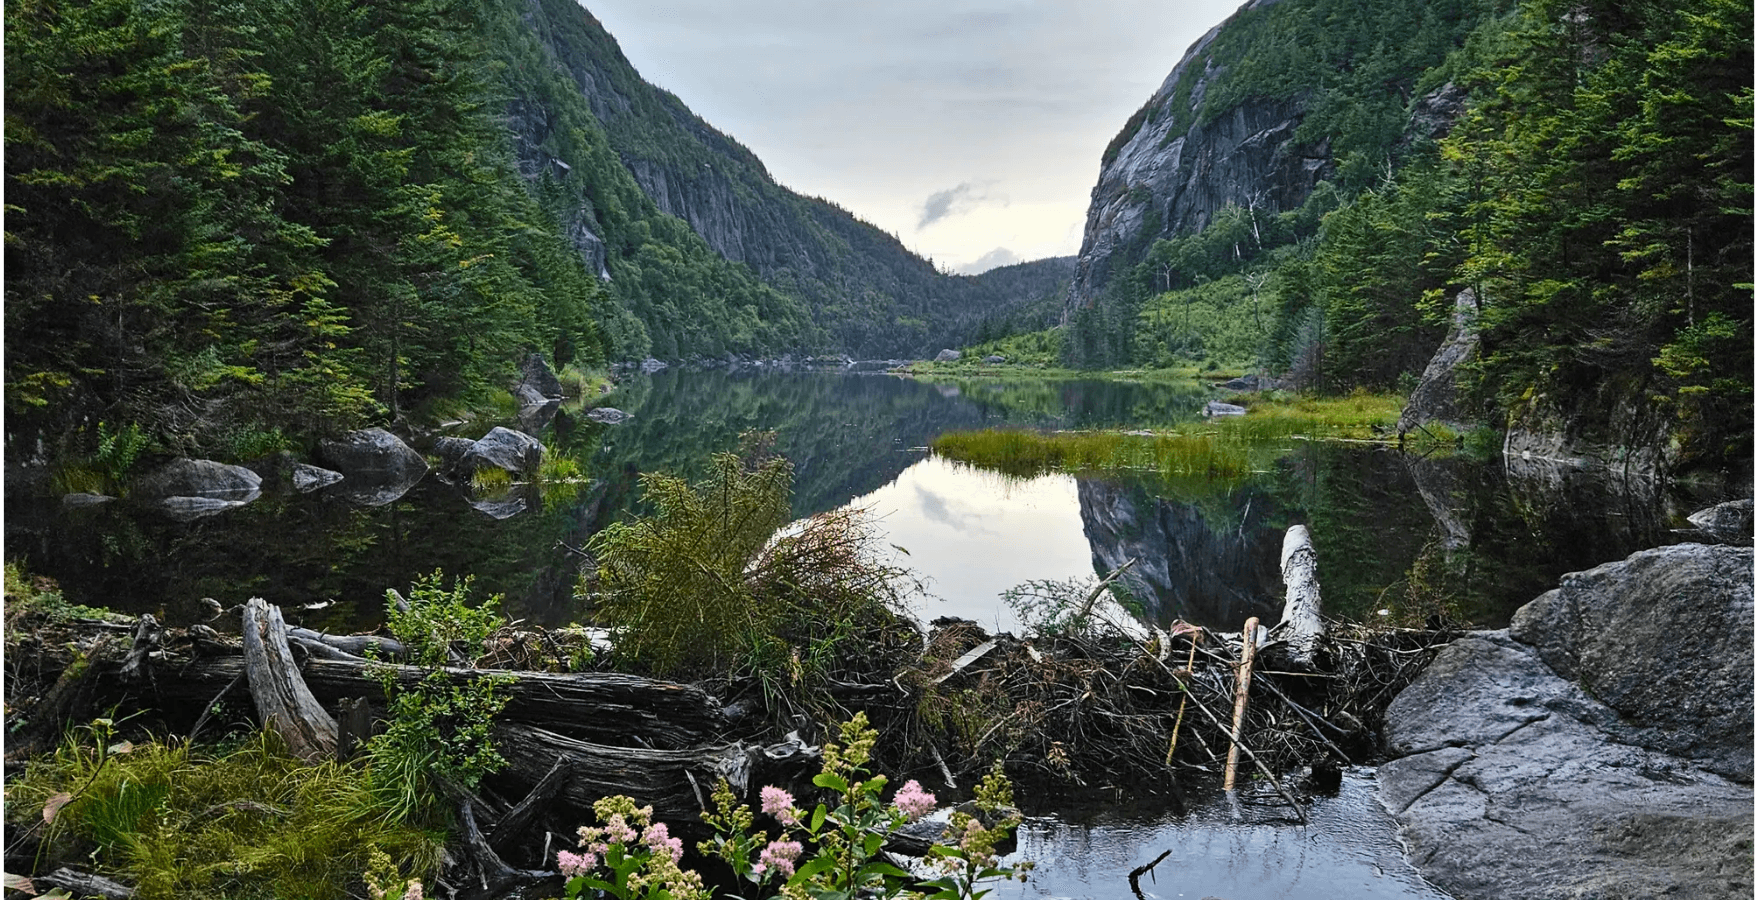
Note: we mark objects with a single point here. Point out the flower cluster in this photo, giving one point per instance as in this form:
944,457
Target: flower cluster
914,802
777,802
629,856
780,856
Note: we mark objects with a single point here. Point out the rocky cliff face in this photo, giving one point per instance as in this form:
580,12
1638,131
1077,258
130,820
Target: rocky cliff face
1168,173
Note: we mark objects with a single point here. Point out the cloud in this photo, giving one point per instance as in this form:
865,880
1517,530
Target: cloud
956,201
992,259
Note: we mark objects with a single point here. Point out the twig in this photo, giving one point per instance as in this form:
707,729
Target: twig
1133,877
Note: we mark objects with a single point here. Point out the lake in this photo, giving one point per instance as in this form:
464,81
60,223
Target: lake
1399,538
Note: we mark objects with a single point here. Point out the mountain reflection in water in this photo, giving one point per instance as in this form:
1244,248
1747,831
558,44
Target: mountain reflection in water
1488,537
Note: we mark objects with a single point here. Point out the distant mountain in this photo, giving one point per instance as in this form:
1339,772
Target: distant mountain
587,126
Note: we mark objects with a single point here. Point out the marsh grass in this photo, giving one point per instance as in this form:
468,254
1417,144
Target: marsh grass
1224,449
243,820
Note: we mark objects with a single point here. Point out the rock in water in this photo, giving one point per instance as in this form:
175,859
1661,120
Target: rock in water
198,478
1598,748
540,378
650,365
377,465
504,448
307,478
1434,400
607,415
1214,408
948,356
1729,523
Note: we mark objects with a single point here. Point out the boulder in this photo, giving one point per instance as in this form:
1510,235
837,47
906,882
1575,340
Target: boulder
378,466
607,415
1600,747
1663,638
504,448
993,360
451,452
188,509
307,478
1214,408
1434,400
650,365
948,356
1727,523
198,478
538,377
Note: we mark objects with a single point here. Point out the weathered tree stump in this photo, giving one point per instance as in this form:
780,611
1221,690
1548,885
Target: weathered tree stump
283,702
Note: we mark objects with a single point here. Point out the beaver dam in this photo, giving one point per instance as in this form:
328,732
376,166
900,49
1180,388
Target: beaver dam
1100,705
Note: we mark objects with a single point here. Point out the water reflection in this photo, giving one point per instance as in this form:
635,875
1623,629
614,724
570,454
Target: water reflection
1349,850
1206,553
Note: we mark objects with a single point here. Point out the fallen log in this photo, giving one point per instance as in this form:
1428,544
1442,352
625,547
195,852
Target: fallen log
83,884
1300,630
283,702
604,707
677,784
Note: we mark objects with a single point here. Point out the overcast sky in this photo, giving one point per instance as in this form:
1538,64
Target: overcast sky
970,129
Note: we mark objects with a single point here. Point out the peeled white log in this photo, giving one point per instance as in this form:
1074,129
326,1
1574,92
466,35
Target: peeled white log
1300,627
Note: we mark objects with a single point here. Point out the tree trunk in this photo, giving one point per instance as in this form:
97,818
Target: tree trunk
283,702
1300,627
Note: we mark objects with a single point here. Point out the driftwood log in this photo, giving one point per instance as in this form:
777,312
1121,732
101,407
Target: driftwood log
283,702
83,884
604,707
1300,630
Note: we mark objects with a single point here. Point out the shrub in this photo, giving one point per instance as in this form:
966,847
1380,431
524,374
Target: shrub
712,579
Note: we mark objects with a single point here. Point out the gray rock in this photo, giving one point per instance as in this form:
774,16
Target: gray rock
1215,408
378,467
307,478
1250,382
650,365
993,360
188,509
948,356
1662,637
1514,782
607,415
504,448
504,506
451,452
533,418
1730,523
82,500
1435,400
198,478
540,378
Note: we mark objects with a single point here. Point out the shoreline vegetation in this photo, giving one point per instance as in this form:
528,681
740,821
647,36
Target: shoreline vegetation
110,774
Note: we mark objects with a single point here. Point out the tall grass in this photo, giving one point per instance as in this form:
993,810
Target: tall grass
1225,449
244,821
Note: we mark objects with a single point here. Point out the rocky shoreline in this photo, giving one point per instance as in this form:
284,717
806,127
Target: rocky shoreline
1600,747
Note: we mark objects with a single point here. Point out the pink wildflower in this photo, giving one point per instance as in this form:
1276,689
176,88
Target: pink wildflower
573,865
658,837
914,801
777,802
780,855
619,831
414,891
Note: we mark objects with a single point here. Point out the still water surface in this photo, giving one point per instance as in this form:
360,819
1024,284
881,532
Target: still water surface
1387,526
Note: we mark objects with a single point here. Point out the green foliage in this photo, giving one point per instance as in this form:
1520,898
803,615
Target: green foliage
245,820
711,580
32,603
439,732
847,833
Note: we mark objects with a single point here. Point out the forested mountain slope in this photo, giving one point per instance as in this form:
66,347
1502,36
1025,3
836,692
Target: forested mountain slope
868,293
1318,180
233,226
